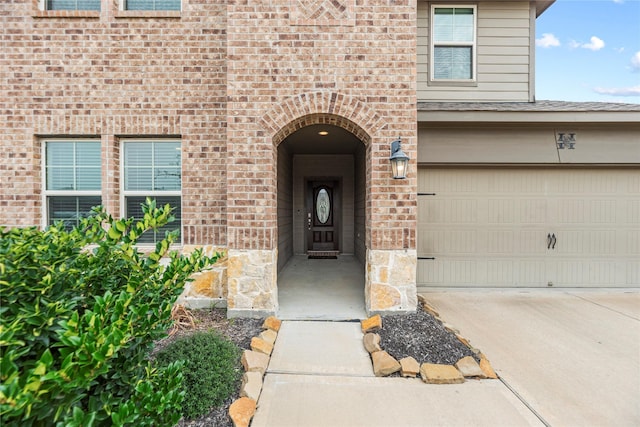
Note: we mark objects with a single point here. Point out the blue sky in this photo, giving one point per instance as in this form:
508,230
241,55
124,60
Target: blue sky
589,50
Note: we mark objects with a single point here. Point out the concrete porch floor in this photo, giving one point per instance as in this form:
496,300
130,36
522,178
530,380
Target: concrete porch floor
321,289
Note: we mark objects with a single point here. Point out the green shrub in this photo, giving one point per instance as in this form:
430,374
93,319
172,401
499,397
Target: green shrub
211,372
79,312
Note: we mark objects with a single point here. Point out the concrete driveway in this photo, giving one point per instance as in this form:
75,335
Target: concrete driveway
571,356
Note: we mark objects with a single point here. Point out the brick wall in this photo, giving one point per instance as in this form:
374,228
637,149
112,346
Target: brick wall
292,62
115,74
227,77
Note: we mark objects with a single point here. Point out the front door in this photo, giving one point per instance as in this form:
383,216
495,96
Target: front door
322,215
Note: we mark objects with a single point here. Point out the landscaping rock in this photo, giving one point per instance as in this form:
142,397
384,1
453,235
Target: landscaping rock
384,364
469,368
261,346
269,336
251,385
254,361
241,411
371,324
428,307
272,323
486,367
440,374
372,342
409,367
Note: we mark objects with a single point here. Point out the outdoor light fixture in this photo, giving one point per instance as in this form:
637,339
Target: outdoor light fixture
399,160
566,139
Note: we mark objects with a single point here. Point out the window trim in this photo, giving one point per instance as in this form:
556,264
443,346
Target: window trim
64,193
150,193
473,44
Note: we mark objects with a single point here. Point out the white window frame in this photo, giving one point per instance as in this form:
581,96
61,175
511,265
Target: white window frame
122,6
148,193
472,44
63,193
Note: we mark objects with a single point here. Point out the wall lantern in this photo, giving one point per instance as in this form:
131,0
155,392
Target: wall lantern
566,139
399,160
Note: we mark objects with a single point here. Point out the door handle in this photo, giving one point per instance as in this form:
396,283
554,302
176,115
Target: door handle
549,240
553,238
309,221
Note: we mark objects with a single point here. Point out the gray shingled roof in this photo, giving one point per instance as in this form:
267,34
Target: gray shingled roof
538,106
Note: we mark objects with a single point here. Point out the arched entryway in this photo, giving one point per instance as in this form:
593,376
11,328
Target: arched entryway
321,170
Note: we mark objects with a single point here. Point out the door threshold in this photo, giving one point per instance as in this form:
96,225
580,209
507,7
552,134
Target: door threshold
322,254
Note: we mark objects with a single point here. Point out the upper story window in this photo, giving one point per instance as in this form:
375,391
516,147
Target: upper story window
453,47
151,4
73,180
71,5
152,168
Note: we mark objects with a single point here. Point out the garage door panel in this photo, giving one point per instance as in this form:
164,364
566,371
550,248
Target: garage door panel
578,273
587,242
492,227
516,211
453,242
580,211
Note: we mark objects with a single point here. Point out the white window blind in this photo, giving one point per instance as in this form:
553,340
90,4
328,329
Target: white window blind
152,4
453,43
152,168
73,180
73,5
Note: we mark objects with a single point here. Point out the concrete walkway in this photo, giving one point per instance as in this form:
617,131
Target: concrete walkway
321,289
320,375
565,359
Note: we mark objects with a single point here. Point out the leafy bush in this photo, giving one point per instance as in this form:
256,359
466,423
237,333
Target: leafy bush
79,313
211,372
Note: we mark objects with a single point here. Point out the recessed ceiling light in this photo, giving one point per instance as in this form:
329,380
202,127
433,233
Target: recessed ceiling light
323,133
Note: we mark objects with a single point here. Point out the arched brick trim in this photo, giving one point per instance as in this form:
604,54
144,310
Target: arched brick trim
332,108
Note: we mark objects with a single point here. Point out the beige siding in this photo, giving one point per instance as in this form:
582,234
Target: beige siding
528,143
491,227
503,56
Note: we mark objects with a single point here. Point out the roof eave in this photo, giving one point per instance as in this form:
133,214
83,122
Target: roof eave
528,116
542,5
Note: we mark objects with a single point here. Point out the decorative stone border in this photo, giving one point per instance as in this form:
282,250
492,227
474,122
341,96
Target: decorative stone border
384,364
255,363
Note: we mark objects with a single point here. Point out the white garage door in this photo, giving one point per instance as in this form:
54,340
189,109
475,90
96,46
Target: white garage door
537,227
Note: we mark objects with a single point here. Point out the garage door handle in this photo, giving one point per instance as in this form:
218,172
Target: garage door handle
549,240
553,245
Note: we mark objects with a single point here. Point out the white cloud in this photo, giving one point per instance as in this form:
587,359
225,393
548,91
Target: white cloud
635,62
619,49
618,1
619,91
595,43
548,40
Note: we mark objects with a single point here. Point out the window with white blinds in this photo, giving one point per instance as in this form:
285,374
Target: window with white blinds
152,168
73,180
453,38
72,5
152,4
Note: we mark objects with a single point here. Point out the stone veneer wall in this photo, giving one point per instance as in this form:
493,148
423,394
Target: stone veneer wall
390,284
252,283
